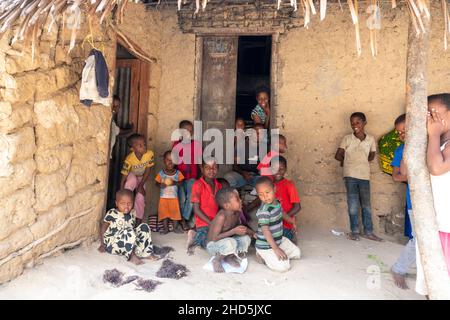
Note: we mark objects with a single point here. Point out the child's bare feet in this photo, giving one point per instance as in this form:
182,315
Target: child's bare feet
153,257
135,259
164,230
217,264
184,225
232,260
242,255
190,245
373,237
399,280
101,248
353,236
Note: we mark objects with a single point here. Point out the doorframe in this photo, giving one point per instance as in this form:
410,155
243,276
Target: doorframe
198,69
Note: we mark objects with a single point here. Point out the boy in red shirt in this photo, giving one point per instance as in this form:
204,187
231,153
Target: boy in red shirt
287,194
187,154
203,195
276,149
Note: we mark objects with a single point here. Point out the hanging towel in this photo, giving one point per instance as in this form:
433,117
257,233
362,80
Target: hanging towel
101,73
89,91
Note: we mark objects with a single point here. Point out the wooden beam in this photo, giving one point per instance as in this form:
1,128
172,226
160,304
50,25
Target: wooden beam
424,217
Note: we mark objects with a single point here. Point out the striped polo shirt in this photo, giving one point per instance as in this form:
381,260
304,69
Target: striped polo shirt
269,215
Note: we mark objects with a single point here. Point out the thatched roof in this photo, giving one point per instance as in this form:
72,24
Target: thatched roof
33,15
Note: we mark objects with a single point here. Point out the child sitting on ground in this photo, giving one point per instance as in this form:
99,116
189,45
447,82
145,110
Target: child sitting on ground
121,234
136,170
168,180
355,153
227,237
287,194
203,199
271,247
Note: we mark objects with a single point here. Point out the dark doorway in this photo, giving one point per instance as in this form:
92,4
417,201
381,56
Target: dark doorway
131,86
253,71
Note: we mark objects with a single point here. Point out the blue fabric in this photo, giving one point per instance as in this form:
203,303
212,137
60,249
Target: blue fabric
398,156
358,195
184,197
201,236
408,227
101,74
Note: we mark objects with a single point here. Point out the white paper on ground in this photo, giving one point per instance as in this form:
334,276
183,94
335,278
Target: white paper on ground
228,269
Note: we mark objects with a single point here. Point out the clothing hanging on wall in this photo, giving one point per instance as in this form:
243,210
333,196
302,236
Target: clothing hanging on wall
95,80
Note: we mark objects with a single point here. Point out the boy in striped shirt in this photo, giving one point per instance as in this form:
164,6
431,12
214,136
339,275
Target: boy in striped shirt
271,247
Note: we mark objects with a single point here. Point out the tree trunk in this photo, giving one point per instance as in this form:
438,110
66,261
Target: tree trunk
424,217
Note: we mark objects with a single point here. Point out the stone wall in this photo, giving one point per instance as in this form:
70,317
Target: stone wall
53,150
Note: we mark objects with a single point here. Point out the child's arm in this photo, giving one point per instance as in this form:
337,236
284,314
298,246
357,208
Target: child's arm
288,218
140,187
397,175
198,212
268,235
216,227
371,155
340,155
103,229
295,209
123,179
438,161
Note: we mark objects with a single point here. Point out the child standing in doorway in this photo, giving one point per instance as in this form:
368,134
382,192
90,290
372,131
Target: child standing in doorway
261,113
355,153
168,180
136,170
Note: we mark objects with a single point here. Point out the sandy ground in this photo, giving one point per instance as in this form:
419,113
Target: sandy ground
331,267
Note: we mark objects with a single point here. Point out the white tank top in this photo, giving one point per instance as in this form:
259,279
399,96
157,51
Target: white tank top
441,194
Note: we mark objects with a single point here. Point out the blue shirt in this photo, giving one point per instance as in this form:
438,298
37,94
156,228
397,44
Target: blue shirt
398,155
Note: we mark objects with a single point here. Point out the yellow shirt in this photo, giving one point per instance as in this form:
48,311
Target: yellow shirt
136,166
356,163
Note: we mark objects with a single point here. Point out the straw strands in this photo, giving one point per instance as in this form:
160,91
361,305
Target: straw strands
31,15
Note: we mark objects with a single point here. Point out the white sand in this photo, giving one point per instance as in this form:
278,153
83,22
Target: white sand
331,267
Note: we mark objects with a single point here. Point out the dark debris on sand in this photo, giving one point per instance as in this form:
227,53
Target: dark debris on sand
162,251
147,285
171,270
114,277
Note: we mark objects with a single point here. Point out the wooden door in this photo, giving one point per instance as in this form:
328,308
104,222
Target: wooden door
132,77
218,91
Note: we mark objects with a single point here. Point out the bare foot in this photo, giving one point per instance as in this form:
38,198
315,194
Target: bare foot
242,255
232,260
135,259
353,236
399,280
153,257
164,231
101,248
217,264
373,237
190,245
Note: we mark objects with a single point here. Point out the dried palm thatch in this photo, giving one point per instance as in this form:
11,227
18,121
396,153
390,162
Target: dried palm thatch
31,15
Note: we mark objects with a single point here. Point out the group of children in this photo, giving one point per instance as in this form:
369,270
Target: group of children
220,221
190,190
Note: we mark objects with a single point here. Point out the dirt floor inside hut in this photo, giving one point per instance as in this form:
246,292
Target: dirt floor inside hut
331,267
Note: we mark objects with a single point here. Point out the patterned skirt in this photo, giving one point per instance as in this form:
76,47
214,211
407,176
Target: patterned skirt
126,240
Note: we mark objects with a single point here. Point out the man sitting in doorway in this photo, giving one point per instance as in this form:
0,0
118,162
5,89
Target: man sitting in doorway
245,170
